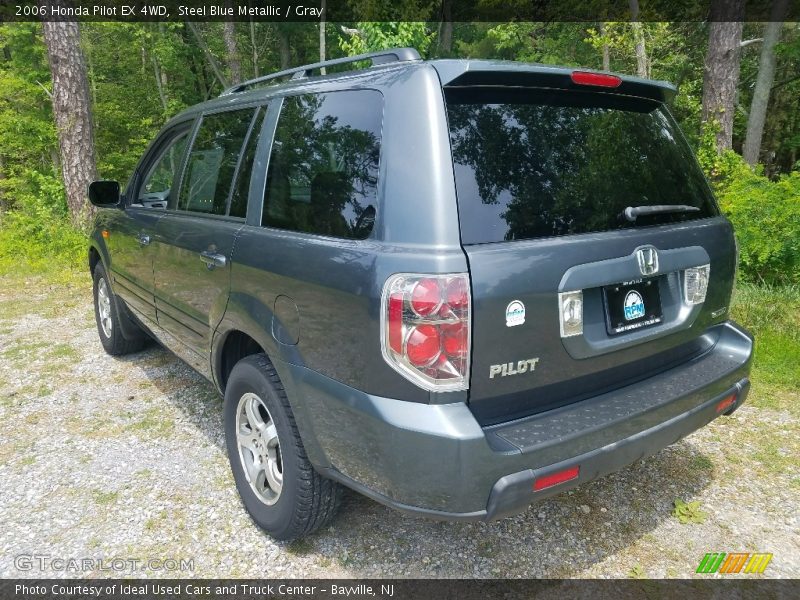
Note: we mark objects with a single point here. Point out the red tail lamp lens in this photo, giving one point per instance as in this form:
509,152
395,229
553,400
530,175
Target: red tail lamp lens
423,345
598,79
726,403
396,322
425,320
455,340
547,481
457,294
426,297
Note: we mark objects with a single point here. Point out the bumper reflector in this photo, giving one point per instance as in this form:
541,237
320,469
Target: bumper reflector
726,403
556,478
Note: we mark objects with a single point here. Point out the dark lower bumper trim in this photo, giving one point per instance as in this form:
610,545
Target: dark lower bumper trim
513,493
414,511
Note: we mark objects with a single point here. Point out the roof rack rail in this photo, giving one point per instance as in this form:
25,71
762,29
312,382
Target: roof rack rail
377,58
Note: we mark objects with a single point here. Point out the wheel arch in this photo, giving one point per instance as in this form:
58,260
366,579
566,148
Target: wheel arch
94,258
233,347
236,338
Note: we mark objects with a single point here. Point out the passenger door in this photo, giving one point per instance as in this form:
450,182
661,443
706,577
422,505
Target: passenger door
131,231
196,236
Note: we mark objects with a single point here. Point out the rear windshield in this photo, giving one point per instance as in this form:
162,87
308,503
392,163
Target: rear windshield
532,163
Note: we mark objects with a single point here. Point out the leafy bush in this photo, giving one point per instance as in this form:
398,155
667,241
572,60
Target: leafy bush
765,214
37,234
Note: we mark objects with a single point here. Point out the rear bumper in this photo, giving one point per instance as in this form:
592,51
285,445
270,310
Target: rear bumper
437,461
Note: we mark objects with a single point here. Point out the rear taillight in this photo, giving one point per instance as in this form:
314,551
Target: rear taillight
598,79
425,329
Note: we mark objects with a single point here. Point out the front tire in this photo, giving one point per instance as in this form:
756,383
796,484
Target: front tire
107,315
279,487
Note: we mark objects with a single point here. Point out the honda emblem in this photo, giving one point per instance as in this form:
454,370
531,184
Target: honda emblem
648,260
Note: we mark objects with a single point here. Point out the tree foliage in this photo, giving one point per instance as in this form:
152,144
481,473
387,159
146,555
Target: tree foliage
140,74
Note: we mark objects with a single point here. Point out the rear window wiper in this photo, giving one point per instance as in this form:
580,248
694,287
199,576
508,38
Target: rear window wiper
632,212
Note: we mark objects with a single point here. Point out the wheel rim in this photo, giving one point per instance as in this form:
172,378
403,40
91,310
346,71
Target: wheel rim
104,307
259,448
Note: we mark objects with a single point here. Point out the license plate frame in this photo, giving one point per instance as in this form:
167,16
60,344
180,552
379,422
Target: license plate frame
626,312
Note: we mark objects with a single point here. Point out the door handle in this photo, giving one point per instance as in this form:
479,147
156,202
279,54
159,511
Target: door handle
213,259
144,239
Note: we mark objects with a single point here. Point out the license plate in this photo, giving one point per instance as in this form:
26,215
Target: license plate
632,305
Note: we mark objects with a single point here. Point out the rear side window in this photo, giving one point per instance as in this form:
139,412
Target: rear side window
323,170
532,164
213,160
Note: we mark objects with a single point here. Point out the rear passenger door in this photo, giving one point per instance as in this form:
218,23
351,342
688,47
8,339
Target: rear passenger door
196,236
305,261
132,230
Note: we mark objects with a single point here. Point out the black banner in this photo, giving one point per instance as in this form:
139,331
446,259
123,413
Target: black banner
393,589
388,10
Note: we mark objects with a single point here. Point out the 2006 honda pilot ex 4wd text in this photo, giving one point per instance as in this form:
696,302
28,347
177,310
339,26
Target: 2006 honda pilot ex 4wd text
453,286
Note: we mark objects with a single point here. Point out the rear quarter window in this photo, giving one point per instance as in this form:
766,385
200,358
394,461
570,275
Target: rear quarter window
532,163
323,169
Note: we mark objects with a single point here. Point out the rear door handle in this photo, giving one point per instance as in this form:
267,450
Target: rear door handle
144,239
212,259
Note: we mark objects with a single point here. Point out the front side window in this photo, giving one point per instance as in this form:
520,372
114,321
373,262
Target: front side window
213,161
323,170
158,181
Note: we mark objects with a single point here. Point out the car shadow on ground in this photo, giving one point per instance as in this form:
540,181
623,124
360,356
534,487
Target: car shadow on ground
558,537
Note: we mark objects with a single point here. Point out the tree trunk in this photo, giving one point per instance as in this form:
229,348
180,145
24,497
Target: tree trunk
72,112
322,37
159,77
606,53
283,47
208,54
446,29
721,69
638,36
234,66
764,81
254,47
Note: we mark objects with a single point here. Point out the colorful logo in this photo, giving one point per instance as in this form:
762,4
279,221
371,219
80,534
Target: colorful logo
633,306
515,313
734,562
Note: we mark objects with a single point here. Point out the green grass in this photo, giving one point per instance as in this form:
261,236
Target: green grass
64,351
300,547
153,424
772,315
105,498
701,462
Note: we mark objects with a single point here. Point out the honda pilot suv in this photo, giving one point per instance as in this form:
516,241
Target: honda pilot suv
454,286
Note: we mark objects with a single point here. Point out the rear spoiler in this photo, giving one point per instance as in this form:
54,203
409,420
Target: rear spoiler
469,73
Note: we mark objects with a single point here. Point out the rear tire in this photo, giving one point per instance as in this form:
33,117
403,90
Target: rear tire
107,314
279,487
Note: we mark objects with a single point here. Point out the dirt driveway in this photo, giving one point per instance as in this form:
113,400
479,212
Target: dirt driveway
124,458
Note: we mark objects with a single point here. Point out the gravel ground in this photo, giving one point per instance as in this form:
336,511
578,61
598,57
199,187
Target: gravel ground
108,458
